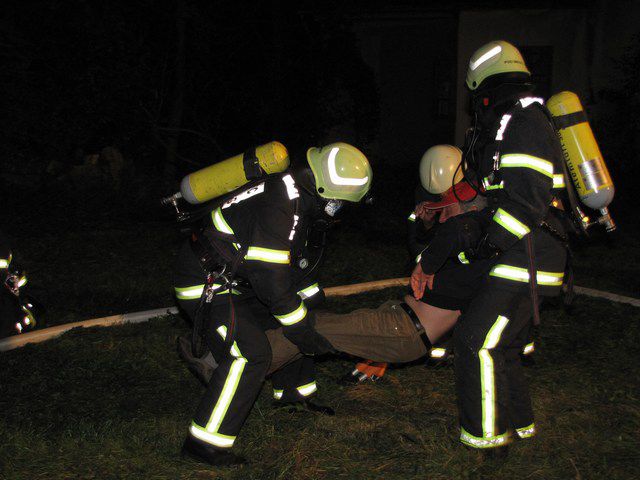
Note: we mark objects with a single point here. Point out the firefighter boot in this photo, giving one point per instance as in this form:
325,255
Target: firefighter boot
205,453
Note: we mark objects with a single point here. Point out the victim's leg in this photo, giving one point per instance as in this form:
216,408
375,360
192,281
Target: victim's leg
385,334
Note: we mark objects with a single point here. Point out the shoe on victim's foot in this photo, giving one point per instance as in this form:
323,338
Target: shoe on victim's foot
205,453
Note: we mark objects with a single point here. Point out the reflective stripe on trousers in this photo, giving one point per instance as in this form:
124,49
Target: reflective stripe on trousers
209,433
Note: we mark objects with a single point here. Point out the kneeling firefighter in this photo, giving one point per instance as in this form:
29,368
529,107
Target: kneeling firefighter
514,151
235,279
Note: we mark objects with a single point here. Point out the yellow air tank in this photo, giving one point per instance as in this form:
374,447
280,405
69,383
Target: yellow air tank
582,155
227,175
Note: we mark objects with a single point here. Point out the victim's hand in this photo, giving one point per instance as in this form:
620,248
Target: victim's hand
420,281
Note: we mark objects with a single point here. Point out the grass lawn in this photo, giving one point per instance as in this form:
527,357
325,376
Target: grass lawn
115,403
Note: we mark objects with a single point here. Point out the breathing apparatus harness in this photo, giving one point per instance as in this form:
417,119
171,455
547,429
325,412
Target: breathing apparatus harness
494,181
220,275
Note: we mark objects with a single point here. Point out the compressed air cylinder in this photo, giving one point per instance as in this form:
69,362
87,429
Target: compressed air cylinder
227,175
581,152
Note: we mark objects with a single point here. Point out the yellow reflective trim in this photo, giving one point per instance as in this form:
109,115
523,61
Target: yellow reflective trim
29,318
228,390
235,351
412,217
23,281
189,293
526,432
488,187
515,160
510,223
308,389
483,442
268,255
4,262
310,291
487,377
529,348
418,258
220,223
518,274
277,394
293,317
437,352
195,292
214,438
463,258
558,180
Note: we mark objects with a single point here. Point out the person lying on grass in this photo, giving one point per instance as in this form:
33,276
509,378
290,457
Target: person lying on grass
443,281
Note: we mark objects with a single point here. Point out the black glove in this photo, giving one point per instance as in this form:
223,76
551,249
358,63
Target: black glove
483,250
306,338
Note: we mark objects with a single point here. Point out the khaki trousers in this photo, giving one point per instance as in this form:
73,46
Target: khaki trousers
384,334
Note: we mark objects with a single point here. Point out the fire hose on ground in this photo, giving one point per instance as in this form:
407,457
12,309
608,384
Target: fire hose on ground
38,336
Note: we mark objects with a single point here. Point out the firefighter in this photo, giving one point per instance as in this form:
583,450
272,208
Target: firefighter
235,280
514,151
16,308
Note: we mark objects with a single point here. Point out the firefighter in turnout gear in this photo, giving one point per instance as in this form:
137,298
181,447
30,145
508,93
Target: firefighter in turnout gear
17,309
236,280
514,152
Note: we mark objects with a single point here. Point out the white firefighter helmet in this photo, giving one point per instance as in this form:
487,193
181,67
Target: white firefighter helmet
497,57
438,167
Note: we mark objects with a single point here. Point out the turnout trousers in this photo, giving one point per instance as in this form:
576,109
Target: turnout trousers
493,396
243,365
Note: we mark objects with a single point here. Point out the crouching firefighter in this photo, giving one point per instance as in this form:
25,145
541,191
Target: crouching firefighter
236,279
514,151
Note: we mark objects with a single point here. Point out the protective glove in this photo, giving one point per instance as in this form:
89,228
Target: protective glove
306,338
483,250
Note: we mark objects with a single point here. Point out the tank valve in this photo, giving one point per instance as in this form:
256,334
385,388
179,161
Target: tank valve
172,200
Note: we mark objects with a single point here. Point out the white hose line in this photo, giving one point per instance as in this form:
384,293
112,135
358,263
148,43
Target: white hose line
614,297
38,336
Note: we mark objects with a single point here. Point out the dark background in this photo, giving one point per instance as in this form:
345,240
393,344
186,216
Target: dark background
175,85
106,105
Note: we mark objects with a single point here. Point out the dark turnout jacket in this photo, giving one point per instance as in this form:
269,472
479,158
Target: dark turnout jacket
519,164
456,280
264,224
